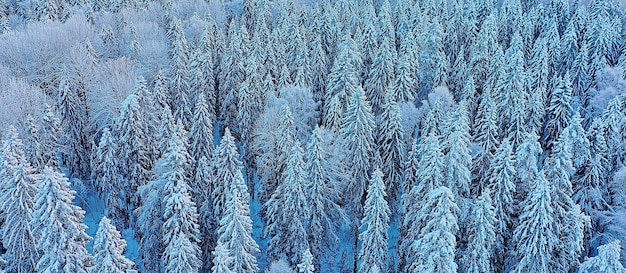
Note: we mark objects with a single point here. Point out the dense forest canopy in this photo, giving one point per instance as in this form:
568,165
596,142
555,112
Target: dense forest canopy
312,136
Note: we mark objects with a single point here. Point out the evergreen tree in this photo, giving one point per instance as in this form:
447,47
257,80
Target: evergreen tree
51,142
486,136
391,147
134,165
108,181
306,266
482,236
374,224
289,211
342,82
108,250
424,174
558,169
380,76
357,134
201,133
323,196
235,231
560,110
227,164
607,260
458,156
151,247
180,82
18,186
435,245
181,234
57,222
527,164
536,237
502,187
221,259
73,110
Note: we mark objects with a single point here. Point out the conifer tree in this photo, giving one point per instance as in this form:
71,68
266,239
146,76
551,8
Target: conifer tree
560,110
607,260
391,147
151,247
435,247
306,266
18,186
424,173
527,164
235,231
343,80
201,133
221,259
73,110
180,82
458,156
181,234
485,135
558,169
374,224
380,76
57,222
108,250
51,142
482,236
357,134
322,193
536,237
289,211
134,165
226,164
502,187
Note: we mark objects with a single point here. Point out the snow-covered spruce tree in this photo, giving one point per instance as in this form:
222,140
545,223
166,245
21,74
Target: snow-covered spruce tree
108,180
581,147
57,222
404,83
227,164
306,265
357,134
458,158
380,75
391,147
560,110
151,211
558,169
181,234
435,246
108,249
18,186
201,132
180,81
288,211
613,118
482,236
424,173
536,236
222,259
501,184
527,164
134,164
235,231
73,110
485,135
322,192
607,260
342,82
52,134
374,224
